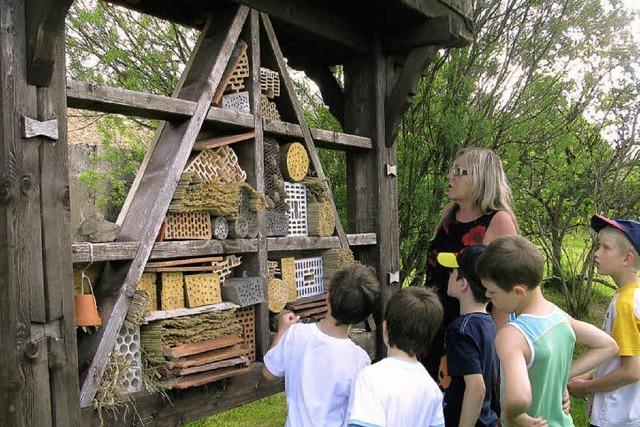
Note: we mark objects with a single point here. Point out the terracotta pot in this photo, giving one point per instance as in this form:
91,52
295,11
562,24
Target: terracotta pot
86,311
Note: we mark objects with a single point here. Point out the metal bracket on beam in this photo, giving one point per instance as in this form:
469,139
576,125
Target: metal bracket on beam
391,170
394,277
30,128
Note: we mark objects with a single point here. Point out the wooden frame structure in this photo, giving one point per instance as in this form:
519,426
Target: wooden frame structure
383,47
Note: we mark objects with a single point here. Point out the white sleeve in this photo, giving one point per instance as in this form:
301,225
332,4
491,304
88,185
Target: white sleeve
367,407
276,359
437,420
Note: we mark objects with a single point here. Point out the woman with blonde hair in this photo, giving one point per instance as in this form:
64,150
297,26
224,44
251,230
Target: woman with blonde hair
479,211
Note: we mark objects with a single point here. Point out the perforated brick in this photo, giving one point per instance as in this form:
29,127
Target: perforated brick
202,289
309,277
219,165
128,347
188,225
297,201
243,291
237,102
247,319
269,82
172,291
240,73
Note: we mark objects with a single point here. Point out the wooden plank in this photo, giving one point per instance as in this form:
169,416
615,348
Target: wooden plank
178,312
442,31
156,188
121,101
186,269
238,51
61,343
234,361
191,404
117,251
308,140
202,347
221,141
204,378
178,262
322,303
207,357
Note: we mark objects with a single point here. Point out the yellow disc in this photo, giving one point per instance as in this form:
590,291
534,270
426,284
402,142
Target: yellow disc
296,161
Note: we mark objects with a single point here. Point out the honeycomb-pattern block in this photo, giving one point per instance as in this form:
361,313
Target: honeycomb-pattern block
219,165
238,228
268,108
240,72
202,289
147,284
188,225
220,228
295,161
288,266
128,347
252,225
269,82
237,102
297,201
243,291
278,295
172,291
247,319
277,223
309,277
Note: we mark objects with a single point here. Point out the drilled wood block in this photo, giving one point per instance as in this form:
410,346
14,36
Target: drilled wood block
172,291
278,294
237,102
309,276
252,225
277,223
188,226
297,202
238,228
247,319
202,289
295,161
147,284
243,291
219,165
288,266
220,228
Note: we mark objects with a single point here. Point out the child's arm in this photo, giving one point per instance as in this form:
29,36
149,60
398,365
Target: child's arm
511,348
286,319
474,391
601,347
628,372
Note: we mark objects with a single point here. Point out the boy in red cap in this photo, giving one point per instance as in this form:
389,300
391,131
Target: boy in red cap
615,384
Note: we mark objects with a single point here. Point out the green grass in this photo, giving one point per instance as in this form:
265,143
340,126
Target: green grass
268,412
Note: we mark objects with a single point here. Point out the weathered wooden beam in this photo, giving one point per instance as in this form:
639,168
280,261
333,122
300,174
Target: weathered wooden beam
191,404
45,22
405,87
119,251
317,19
121,101
308,140
441,31
149,205
430,8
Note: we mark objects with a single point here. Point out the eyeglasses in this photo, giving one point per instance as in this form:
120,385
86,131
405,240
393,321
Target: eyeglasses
458,171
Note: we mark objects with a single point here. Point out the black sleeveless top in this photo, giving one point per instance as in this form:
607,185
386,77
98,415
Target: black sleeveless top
452,238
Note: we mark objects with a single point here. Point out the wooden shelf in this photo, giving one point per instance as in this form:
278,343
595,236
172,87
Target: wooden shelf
168,314
107,99
114,251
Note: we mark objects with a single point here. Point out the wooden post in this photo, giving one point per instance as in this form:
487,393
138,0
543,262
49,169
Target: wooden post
372,199
38,380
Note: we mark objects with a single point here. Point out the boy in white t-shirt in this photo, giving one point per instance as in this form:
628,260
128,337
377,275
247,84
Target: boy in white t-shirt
318,360
398,391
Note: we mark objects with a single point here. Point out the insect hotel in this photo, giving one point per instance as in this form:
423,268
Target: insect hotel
230,219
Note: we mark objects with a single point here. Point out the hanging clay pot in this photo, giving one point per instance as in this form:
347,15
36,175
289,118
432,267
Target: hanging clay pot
86,310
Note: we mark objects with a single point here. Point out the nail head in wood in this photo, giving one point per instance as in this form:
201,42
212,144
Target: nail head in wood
31,128
394,277
391,170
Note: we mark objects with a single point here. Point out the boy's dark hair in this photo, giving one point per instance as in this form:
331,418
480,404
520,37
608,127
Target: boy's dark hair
467,259
511,260
353,294
413,316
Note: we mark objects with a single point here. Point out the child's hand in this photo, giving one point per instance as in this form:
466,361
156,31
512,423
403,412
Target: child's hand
525,420
286,319
566,402
578,386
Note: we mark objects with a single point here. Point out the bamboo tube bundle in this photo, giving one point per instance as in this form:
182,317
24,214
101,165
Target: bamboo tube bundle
335,259
217,199
320,219
316,188
137,309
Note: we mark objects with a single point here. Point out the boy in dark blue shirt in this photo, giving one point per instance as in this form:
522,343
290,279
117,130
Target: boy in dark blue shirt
469,399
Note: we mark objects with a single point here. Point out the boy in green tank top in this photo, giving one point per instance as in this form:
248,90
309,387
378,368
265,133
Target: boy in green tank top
535,348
